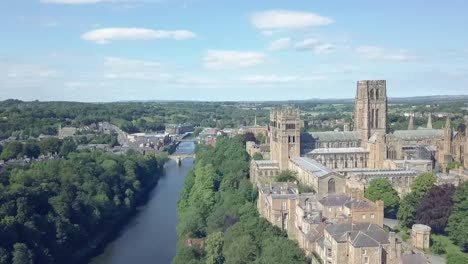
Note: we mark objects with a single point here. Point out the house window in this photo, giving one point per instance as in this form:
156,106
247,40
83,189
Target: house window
363,216
329,252
283,205
366,260
372,216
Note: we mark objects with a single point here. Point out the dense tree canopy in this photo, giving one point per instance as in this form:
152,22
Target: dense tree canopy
435,208
217,204
382,189
52,209
421,185
458,221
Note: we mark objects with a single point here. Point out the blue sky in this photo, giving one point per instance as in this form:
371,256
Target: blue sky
110,50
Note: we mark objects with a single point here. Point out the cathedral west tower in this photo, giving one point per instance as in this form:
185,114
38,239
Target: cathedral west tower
370,113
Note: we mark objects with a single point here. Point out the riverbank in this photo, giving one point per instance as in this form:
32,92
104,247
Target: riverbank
149,236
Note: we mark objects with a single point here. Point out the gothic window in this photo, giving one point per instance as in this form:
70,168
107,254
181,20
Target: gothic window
372,118
346,164
331,186
377,94
376,118
336,165
371,94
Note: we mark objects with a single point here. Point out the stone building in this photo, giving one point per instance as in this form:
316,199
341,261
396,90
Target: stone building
263,169
420,236
277,203
351,243
355,209
340,158
323,180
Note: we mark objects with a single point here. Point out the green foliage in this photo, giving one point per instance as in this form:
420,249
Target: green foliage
261,138
21,254
407,211
453,165
422,184
214,248
458,221
434,209
276,251
257,156
52,209
438,246
382,189
219,202
286,176
456,258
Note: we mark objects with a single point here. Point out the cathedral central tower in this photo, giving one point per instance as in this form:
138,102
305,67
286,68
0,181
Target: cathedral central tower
370,114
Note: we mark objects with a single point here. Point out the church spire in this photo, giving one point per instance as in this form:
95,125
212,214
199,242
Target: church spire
429,121
411,123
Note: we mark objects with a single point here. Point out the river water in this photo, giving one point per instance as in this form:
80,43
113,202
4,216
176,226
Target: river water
150,237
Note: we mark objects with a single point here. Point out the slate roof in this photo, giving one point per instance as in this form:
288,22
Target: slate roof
361,204
335,200
419,134
312,166
267,164
360,234
337,136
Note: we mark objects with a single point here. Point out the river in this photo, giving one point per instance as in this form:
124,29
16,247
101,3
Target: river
150,237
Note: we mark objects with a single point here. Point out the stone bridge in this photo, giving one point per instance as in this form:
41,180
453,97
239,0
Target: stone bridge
180,157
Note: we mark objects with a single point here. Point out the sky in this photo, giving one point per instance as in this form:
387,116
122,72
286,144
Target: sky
114,50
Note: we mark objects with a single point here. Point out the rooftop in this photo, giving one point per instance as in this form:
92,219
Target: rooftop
312,166
337,150
336,136
360,234
267,164
419,134
277,189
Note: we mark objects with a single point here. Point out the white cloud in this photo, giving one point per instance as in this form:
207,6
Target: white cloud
278,79
378,53
307,44
280,44
119,68
324,48
15,74
71,2
232,59
284,19
267,33
105,35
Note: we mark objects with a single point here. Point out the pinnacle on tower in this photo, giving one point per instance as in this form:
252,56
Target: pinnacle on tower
429,122
448,124
411,123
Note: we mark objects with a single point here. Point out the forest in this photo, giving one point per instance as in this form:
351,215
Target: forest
57,211
218,205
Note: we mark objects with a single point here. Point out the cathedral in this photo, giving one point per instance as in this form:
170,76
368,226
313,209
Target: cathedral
339,161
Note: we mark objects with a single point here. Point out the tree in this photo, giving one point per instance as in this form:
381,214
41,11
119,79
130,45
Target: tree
287,176
435,208
382,189
458,221
249,136
439,247
240,251
22,254
214,248
422,184
257,156
4,256
280,250
406,212
12,150
261,138
68,146
456,258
